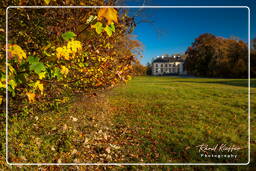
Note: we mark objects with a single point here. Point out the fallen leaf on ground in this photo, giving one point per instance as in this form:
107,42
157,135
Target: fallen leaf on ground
108,150
74,151
65,127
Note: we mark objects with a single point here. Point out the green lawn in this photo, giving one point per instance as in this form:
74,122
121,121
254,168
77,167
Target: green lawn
171,116
150,119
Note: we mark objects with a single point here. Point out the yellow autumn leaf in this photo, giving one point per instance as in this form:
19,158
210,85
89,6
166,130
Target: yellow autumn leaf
1,99
11,69
59,52
74,46
63,52
41,75
66,53
2,85
69,51
31,97
17,51
110,14
47,1
40,86
64,70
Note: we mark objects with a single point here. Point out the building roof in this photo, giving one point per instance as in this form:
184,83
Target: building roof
168,59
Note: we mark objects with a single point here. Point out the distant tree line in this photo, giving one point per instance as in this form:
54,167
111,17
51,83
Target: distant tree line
214,56
139,69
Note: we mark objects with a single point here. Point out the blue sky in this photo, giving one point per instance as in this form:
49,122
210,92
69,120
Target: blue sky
173,30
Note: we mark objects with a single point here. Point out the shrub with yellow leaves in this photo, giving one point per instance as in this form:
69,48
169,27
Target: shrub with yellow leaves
98,55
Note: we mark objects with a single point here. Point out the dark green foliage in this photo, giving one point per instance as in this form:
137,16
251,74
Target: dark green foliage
253,58
149,69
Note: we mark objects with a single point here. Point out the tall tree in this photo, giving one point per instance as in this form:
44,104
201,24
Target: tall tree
149,69
217,57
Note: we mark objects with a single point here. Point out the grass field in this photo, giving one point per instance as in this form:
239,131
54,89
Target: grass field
151,119
171,116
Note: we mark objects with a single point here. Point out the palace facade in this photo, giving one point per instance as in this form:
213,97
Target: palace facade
168,65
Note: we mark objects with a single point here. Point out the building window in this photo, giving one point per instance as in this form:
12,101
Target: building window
161,65
165,65
162,70
170,65
170,70
156,65
156,71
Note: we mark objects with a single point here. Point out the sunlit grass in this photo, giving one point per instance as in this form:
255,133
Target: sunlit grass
150,119
177,114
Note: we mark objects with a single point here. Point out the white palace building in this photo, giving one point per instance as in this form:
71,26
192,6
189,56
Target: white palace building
168,65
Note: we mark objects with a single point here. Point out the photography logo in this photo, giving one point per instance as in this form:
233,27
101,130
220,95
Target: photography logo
218,151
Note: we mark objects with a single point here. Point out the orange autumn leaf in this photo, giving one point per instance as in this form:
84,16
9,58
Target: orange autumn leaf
31,97
110,14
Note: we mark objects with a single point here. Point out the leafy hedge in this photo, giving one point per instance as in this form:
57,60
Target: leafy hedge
51,51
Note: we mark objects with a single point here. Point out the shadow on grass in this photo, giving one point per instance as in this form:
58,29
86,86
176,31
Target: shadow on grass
240,83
